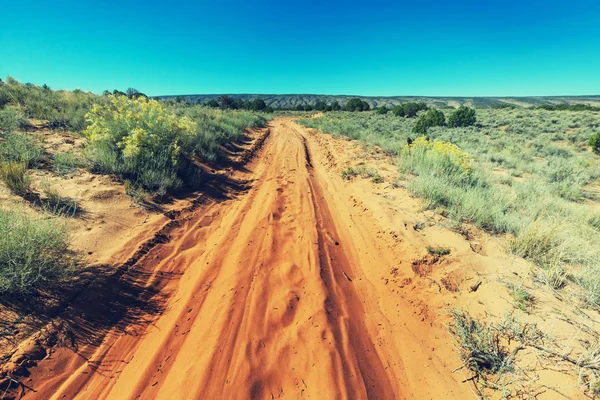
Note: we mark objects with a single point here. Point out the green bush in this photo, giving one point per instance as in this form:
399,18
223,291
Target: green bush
10,120
594,143
462,117
357,104
409,110
14,175
33,252
431,118
382,110
150,144
20,148
139,139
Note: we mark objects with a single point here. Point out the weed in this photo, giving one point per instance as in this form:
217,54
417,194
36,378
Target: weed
438,251
348,173
479,344
522,299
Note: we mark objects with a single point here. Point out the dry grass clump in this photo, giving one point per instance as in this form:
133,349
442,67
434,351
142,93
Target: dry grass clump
14,175
33,252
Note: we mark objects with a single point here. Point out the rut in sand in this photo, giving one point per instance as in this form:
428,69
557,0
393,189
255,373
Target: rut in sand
264,296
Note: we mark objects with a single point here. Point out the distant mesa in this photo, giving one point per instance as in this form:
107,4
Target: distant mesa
291,101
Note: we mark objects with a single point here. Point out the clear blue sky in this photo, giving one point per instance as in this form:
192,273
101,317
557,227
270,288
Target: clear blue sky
444,48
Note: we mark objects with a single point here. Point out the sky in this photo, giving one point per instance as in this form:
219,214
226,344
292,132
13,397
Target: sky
371,48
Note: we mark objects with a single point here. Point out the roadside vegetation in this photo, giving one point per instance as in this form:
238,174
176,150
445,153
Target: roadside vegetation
529,173
152,147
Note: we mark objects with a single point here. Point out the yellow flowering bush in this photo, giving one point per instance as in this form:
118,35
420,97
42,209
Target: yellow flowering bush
138,139
423,155
136,125
144,141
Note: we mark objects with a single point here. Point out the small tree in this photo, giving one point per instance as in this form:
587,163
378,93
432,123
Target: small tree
357,104
431,118
226,102
131,92
335,106
320,105
382,110
464,116
258,105
212,103
410,109
594,142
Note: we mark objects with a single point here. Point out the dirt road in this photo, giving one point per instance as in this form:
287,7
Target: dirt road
271,293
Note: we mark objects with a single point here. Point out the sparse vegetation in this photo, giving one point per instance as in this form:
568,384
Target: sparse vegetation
479,344
350,172
438,251
524,172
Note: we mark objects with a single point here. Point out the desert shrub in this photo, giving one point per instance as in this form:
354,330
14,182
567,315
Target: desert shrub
20,148
357,104
10,120
409,110
150,143
462,117
545,149
425,156
15,177
58,122
438,251
258,105
479,344
33,252
138,138
349,172
430,119
382,110
594,143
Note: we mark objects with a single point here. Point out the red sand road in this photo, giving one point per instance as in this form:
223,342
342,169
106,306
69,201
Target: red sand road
268,294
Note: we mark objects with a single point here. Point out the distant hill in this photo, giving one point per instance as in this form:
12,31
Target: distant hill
293,100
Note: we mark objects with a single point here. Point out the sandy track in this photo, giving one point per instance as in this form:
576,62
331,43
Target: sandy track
261,296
